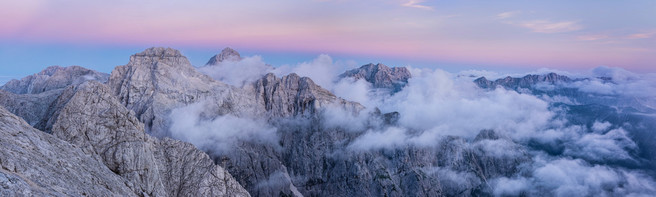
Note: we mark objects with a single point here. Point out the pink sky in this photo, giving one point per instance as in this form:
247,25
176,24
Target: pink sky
560,35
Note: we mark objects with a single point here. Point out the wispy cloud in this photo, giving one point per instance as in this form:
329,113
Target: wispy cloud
416,4
505,15
592,37
545,26
641,35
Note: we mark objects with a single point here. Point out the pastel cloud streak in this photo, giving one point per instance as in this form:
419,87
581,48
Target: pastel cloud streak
416,4
495,33
545,26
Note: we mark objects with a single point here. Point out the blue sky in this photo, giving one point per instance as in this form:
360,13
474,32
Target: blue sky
453,35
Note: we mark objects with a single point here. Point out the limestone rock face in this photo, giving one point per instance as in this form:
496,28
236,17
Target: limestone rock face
381,76
226,54
292,95
103,128
34,163
33,96
33,108
53,77
157,80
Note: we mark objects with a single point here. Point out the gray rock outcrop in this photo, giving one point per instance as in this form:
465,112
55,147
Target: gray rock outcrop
33,108
293,95
381,76
34,163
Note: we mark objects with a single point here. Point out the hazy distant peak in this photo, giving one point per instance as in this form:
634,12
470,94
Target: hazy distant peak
226,54
53,77
523,82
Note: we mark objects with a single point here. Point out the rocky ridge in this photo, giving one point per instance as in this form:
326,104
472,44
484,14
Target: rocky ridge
527,81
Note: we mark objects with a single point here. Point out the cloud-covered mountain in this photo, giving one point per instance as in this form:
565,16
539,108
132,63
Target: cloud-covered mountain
367,131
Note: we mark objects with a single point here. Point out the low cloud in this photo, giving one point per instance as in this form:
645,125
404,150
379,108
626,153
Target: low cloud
198,125
322,70
619,82
565,177
238,72
392,137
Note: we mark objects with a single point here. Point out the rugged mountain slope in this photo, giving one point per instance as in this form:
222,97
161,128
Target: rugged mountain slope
381,76
33,97
90,117
96,122
35,163
53,77
33,108
293,95
159,79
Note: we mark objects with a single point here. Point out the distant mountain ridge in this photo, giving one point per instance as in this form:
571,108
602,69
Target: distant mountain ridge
523,82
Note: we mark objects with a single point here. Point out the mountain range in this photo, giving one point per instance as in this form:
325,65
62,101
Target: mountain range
159,126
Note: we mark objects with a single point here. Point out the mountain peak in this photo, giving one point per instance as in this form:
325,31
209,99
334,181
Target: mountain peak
159,52
226,54
160,55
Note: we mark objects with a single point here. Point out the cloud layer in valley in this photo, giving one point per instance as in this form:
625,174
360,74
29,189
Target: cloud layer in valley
565,157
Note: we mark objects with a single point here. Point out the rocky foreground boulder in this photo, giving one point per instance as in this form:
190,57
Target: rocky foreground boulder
35,163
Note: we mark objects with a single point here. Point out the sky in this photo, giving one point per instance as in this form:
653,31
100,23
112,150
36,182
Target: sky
451,35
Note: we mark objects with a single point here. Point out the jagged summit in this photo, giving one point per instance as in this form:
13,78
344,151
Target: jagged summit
161,55
381,76
160,52
226,54
158,76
